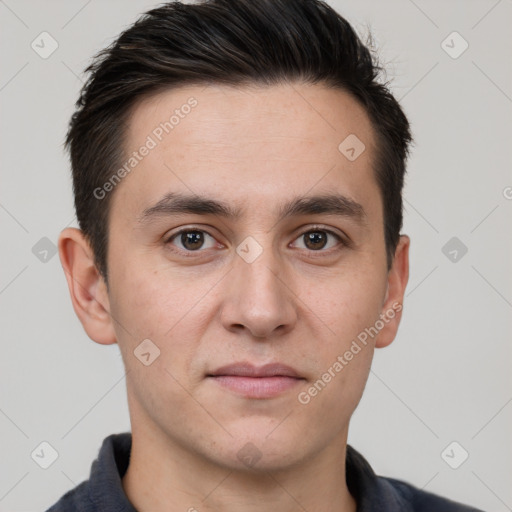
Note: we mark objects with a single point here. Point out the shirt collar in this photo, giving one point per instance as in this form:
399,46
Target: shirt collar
106,488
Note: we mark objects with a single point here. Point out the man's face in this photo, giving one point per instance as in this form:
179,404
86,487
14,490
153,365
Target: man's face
255,288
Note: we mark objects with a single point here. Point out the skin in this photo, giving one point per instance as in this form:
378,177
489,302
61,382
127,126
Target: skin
252,148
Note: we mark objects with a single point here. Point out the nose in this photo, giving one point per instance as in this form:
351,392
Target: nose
259,298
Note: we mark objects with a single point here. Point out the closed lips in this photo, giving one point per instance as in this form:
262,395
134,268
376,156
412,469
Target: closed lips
244,369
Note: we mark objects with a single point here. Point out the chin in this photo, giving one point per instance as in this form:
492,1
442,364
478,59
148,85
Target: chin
264,450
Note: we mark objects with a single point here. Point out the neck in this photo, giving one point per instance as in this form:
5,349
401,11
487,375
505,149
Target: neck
164,476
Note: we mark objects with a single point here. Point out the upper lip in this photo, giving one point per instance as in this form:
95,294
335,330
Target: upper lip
244,369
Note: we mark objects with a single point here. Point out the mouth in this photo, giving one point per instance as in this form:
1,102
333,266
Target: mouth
260,382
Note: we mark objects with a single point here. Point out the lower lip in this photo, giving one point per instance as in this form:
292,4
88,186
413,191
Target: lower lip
257,387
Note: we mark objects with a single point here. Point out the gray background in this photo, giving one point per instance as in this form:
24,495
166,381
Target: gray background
447,375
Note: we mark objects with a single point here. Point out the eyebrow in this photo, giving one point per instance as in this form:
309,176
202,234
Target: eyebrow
329,204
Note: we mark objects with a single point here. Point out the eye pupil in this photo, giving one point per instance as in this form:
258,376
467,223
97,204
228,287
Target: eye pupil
315,237
192,239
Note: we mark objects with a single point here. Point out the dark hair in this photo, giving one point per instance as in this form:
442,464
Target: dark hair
232,42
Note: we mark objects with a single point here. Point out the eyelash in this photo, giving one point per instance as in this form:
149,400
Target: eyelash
342,242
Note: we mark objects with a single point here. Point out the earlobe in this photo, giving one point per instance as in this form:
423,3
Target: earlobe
86,286
398,277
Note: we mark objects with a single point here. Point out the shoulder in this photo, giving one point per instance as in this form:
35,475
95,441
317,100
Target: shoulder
75,500
103,491
418,500
378,493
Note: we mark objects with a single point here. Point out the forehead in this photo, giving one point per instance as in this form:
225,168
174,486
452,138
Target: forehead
307,112
250,142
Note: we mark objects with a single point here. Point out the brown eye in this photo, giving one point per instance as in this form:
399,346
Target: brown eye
191,240
319,239
315,240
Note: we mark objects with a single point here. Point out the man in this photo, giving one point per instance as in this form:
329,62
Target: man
237,174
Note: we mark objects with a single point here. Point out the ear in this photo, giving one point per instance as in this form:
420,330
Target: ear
86,286
398,276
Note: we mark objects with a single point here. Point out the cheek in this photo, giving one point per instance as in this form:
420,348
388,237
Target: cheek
147,307
347,303
148,301
347,307
168,308
139,305
343,361
335,393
